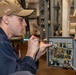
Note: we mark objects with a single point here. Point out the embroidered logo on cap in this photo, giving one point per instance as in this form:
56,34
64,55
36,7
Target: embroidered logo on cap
17,3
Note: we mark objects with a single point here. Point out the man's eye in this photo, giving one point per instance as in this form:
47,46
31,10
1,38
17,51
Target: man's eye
21,19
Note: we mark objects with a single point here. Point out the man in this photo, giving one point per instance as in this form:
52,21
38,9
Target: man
12,24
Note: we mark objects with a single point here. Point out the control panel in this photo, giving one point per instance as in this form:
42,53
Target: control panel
61,53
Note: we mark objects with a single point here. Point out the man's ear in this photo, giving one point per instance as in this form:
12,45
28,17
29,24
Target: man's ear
5,19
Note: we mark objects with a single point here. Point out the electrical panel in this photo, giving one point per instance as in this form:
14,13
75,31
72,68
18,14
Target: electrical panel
62,53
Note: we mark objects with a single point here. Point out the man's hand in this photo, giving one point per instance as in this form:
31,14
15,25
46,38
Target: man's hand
42,50
33,47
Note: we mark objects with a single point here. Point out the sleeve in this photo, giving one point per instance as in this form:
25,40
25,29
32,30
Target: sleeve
28,64
11,63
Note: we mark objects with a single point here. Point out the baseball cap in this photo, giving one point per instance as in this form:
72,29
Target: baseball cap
9,7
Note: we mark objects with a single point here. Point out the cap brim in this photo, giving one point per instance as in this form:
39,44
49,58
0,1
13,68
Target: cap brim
24,13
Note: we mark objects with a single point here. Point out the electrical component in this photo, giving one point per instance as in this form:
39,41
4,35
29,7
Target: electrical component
62,52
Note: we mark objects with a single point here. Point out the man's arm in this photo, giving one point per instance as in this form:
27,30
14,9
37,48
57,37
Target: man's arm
10,62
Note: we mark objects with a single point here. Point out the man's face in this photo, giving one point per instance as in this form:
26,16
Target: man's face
16,25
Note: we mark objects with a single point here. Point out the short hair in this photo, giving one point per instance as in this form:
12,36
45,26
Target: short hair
0,19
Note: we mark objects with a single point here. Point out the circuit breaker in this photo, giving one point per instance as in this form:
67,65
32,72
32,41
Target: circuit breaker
62,53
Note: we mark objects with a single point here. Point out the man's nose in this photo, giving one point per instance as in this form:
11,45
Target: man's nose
24,22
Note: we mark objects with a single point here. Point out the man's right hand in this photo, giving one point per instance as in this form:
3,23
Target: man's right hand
33,47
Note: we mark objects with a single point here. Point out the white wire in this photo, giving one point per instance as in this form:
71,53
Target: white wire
72,66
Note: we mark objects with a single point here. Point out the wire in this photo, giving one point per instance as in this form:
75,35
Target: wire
73,68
